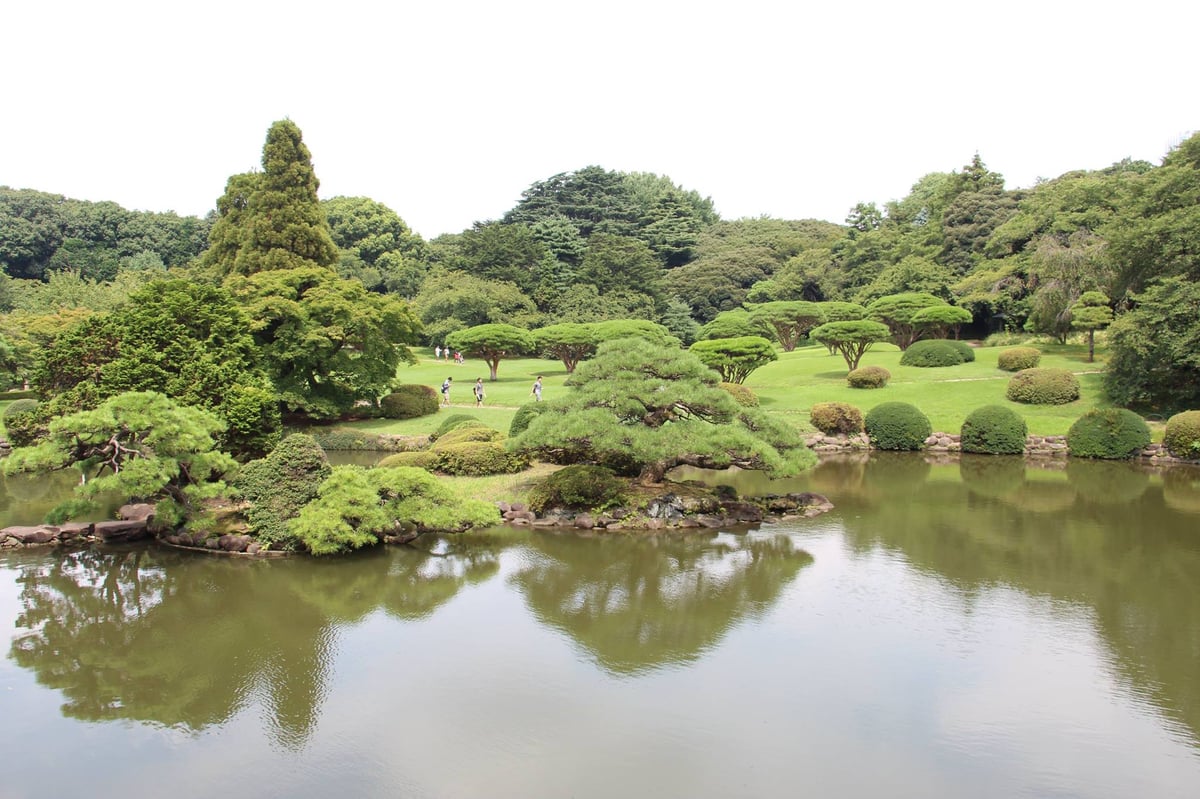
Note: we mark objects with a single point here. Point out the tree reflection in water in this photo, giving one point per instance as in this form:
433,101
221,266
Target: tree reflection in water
641,602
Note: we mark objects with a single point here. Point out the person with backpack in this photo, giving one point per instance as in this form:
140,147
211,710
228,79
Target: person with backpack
478,392
446,390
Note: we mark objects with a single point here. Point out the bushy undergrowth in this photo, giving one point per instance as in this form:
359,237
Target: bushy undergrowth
452,421
409,401
741,394
578,488
1018,358
1182,436
17,407
279,485
1043,386
421,459
868,377
833,418
1111,433
477,458
353,439
897,426
994,430
524,415
935,352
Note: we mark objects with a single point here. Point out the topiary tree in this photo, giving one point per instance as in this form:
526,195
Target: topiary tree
1182,435
734,358
1090,313
735,324
897,426
938,320
1015,359
932,353
1110,433
645,408
897,311
852,338
833,418
493,343
994,430
791,321
1043,386
279,485
570,342
868,377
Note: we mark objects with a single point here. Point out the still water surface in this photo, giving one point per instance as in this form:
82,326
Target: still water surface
982,629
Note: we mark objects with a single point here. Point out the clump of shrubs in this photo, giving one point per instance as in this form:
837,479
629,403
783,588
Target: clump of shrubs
25,422
409,401
897,426
1044,386
741,394
868,377
1182,436
832,418
524,415
1110,433
994,430
467,448
936,352
1018,358
279,485
581,487
452,421
421,458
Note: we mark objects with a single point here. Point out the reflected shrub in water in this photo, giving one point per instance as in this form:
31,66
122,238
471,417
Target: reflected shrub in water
578,488
833,418
1048,386
1018,358
1181,438
897,426
994,430
1107,483
279,485
992,477
868,377
1111,433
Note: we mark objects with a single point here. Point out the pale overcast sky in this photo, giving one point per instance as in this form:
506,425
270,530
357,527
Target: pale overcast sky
445,111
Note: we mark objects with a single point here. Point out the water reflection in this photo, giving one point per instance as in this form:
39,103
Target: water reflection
640,602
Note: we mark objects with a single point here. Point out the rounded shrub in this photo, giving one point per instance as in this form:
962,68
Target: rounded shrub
1110,433
422,459
26,421
932,353
741,394
994,430
279,485
964,349
580,487
1018,358
1181,438
466,432
1044,386
477,458
452,421
897,426
868,377
524,415
832,418
409,401
17,407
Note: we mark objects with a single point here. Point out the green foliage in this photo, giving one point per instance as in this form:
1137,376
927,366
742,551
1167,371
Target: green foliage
790,321
994,430
850,338
279,485
899,311
375,245
1017,358
1111,433
408,401
451,300
18,407
466,432
736,323
353,439
868,377
453,421
476,458
1090,313
570,342
897,426
1043,386
741,394
139,445
1182,435
613,329
493,343
1154,350
932,353
356,507
940,320
734,358
581,487
524,415
421,459
833,418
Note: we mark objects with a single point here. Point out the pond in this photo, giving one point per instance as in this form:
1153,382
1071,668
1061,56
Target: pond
980,628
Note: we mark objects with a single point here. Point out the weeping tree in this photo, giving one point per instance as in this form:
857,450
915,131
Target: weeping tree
643,409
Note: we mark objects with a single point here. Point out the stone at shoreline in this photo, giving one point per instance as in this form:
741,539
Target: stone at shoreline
121,530
40,534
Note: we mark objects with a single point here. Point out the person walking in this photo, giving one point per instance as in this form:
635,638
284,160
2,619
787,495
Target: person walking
537,389
478,391
437,352
446,390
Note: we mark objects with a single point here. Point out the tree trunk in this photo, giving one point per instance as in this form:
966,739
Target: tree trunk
653,473
1091,346
492,364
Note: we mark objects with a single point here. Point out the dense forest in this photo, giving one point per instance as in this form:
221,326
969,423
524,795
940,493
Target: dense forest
593,245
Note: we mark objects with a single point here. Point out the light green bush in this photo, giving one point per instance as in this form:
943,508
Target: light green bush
832,418
409,401
1018,358
994,430
868,377
1043,386
581,487
897,426
932,352
1182,436
741,394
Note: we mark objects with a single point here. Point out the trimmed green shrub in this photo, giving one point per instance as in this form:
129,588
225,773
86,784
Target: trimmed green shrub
422,459
353,439
868,377
26,427
897,426
964,349
578,488
17,394
1110,433
477,458
20,406
932,352
1044,386
279,485
832,418
741,394
1018,358
1182,436
409,401
452,421
524,415
466,432
994,430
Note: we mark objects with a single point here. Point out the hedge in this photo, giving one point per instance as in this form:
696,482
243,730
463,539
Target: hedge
1044,386
994,430
524,415
934,352
741,394
409,401
897,426
868,377
1018,358
1110,433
